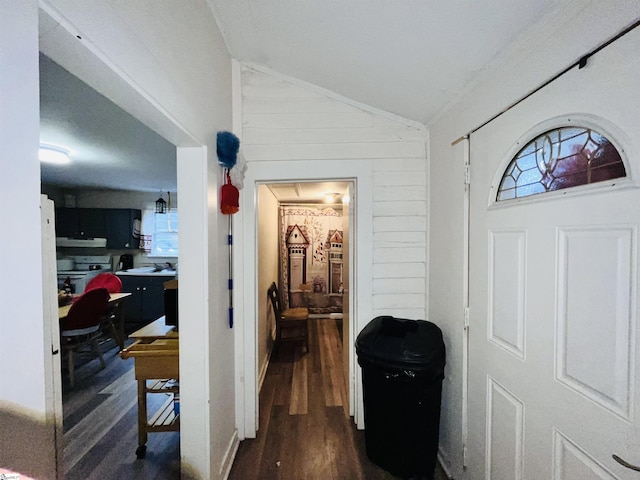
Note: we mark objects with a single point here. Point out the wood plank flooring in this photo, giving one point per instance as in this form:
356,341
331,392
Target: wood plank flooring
305,429
101,430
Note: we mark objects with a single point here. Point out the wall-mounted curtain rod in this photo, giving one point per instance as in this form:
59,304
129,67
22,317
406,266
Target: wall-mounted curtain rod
581,63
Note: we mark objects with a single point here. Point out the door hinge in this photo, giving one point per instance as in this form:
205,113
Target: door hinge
466,317
467,174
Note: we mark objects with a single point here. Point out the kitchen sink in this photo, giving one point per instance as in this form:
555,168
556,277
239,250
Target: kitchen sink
142,270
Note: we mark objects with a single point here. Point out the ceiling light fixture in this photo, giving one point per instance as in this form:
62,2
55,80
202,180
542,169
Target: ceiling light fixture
51,154
331,197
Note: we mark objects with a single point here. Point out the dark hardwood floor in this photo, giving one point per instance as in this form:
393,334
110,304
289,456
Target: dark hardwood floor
305,430
101,425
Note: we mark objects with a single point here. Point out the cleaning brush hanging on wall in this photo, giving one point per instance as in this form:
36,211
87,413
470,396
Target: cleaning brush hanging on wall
227,151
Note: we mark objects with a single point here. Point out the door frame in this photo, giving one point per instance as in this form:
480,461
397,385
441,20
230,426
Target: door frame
245,267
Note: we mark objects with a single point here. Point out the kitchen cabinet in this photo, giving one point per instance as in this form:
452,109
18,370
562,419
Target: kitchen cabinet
114,224
146,303
120,222
80,222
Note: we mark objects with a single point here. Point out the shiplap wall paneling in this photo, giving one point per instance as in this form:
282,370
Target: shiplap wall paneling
286,120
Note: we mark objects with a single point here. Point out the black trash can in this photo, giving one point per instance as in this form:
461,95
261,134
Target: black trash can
402,371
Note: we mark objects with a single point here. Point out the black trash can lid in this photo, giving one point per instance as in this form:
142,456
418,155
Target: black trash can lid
403,344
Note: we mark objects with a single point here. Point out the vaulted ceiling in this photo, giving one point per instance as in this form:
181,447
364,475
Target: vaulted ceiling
412,58
407,57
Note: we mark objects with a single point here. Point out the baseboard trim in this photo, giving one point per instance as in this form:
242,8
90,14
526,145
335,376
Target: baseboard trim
229,456
263,370
443,465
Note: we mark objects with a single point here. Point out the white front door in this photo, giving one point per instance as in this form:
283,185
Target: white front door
553,367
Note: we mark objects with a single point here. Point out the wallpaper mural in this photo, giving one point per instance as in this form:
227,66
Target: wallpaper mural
311,257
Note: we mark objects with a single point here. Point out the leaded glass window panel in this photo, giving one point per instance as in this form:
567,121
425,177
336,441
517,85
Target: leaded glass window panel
561,158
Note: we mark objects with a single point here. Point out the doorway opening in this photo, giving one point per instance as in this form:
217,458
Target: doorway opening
304,231
251,298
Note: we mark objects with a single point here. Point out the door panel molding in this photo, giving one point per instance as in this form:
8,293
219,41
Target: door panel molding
507,290
596,273
505,433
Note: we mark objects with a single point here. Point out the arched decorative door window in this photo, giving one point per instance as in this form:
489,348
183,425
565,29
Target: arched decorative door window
561,158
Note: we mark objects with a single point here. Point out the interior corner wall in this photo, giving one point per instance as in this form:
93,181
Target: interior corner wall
223,435
446,304
268,259
27,444
194,285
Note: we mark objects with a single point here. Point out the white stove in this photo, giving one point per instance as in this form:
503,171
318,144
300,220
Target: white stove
86,267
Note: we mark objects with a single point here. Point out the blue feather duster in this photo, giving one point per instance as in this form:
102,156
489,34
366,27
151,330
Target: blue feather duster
227,149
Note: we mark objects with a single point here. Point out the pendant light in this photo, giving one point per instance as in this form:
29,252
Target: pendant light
161,205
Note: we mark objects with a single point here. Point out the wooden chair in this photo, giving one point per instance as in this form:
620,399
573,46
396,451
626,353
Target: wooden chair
81,326
113,284
292,324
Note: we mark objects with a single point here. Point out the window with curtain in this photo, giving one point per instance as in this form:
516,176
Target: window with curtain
160,233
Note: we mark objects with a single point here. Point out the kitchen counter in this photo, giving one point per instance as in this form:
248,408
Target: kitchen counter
147,272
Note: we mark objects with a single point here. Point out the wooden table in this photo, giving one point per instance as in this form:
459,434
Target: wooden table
157,370
116,302
155,330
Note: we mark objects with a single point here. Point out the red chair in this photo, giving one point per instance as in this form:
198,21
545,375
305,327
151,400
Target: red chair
81,326
113,284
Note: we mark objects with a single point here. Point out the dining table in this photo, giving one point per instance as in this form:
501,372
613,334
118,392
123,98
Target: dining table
115,304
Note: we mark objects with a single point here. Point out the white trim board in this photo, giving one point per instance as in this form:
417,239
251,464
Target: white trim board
245,264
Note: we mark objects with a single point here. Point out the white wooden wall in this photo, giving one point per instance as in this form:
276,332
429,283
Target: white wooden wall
284,119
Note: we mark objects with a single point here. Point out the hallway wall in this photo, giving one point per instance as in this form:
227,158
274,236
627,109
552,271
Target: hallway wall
27,436
267,272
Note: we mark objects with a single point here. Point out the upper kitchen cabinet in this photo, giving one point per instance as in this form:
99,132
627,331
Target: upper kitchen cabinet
123,228
120,226
80,222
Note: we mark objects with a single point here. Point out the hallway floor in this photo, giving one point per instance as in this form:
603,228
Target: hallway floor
305,430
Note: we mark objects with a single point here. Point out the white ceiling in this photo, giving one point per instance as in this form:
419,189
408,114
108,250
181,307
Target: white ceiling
109,148
407,57
412,58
